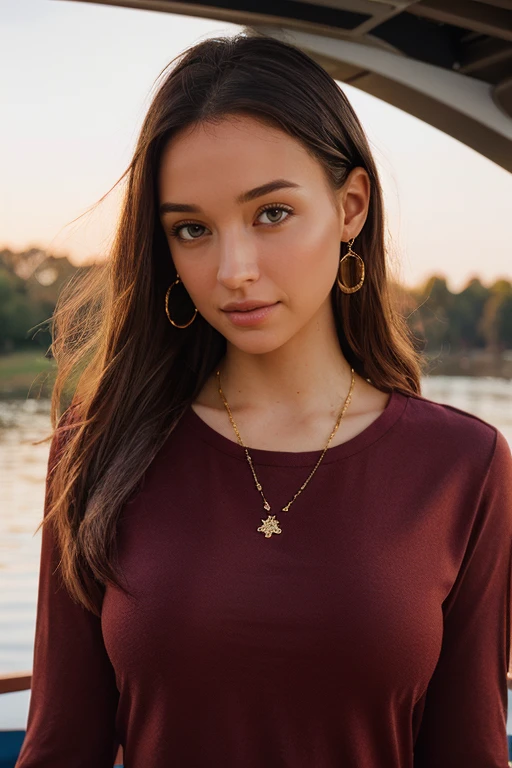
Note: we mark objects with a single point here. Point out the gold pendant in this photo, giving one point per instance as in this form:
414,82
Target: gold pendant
270,526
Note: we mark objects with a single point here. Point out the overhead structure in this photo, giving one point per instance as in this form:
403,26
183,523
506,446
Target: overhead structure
447,62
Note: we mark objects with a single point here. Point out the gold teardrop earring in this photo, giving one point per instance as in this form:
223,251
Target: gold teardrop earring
176,325
350,252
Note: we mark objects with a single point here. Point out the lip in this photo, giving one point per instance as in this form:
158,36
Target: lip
250,317
236,306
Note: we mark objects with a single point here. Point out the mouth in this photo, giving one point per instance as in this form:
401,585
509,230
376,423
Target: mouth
247,317
246,307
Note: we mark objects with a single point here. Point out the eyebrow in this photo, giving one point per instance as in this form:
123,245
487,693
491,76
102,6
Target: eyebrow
244,197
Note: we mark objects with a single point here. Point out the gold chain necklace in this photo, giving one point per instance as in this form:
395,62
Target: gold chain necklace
271,525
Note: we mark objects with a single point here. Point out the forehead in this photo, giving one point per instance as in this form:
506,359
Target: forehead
236,153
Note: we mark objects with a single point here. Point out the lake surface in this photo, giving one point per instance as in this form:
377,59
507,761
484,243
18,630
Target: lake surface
23,469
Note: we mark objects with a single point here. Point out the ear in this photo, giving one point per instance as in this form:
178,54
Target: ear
354,199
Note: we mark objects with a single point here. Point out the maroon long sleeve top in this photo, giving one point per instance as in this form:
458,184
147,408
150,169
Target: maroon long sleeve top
373,632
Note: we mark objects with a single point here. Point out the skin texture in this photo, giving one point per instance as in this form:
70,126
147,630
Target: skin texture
286,378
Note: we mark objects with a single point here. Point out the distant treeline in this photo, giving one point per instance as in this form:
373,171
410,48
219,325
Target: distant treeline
478,317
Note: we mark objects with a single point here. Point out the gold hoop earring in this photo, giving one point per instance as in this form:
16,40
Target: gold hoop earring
350,252
178,279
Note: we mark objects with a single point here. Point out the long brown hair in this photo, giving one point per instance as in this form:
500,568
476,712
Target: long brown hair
131,373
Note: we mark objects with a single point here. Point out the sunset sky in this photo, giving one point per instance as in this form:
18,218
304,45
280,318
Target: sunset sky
76,83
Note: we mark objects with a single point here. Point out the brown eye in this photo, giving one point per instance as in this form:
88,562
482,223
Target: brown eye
175,231
272,212
276,211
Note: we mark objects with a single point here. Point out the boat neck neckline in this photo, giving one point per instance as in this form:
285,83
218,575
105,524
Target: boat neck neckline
384,421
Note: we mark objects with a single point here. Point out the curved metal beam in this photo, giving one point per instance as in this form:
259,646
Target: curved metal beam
414,68
458,105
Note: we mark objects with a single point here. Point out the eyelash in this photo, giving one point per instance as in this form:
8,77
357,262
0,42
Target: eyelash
269,207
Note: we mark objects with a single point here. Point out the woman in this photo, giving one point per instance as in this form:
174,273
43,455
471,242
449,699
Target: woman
267,549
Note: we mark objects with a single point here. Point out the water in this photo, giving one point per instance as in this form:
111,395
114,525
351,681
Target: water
22,478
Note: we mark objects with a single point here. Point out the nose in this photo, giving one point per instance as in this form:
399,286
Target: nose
238,262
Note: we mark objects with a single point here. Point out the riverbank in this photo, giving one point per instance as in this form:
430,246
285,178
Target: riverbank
31,374
26,374
475,362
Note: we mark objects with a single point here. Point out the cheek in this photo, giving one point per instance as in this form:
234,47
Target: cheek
309,260
196,282
200,285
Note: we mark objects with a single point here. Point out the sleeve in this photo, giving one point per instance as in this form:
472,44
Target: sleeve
464,721
73,701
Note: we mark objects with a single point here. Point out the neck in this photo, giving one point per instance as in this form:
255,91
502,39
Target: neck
307,374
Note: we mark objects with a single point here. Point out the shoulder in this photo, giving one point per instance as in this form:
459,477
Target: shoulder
454,432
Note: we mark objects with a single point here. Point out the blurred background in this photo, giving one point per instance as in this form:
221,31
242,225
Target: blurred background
77,80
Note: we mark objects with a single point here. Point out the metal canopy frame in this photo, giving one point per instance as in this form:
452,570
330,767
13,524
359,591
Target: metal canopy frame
447,62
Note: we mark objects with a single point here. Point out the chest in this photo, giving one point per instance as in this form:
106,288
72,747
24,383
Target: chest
352,587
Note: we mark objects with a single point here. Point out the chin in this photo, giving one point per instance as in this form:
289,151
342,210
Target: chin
259,342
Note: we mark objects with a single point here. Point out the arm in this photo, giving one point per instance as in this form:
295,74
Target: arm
465,705
73,702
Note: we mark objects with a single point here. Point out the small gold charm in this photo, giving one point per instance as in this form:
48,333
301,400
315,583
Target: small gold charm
270,526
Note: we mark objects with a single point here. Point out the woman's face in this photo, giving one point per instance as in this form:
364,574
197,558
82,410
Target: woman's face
278,246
